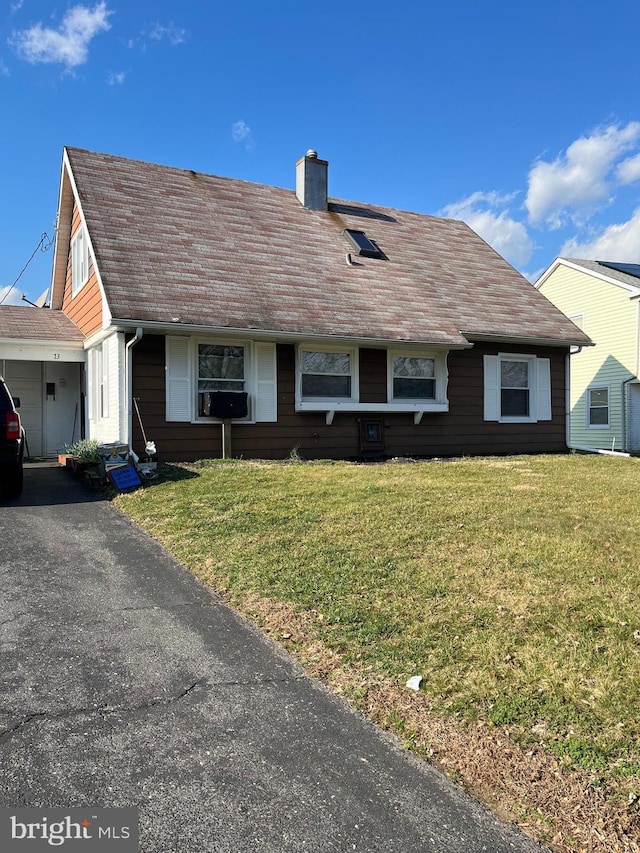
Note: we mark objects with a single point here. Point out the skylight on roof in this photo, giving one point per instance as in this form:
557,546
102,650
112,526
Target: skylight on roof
366,247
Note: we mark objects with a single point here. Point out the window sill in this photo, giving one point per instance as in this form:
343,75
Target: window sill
333,406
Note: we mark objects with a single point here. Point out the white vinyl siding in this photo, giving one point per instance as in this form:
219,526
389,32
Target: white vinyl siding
105,397
517,388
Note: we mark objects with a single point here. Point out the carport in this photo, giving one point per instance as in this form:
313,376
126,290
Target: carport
42,359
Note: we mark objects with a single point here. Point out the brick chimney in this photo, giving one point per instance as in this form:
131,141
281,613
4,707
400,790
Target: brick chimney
311,181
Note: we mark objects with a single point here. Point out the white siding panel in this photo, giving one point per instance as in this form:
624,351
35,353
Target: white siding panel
106,423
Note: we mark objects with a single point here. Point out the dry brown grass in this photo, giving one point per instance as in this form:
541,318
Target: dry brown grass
569,811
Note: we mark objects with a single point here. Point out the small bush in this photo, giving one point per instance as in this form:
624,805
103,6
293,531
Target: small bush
86,450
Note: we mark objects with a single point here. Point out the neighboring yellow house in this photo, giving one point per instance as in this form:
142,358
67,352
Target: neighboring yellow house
603,299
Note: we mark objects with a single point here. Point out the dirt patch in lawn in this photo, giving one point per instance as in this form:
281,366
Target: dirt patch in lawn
559,805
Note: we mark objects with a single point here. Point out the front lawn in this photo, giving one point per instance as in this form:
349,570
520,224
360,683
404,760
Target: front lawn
510,585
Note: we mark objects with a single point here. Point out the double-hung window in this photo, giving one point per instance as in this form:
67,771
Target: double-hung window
517,388
79,261
327,374
598,409
221,367
413,378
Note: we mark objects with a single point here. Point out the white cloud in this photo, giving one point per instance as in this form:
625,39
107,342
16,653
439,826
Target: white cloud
69,44
576,181
616,243
628,172
241,132
481,211
14,297
116,78
175,35
4,70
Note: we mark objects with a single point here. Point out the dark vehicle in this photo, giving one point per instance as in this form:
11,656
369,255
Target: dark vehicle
11,444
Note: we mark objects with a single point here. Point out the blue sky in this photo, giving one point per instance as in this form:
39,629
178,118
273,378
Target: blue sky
522,118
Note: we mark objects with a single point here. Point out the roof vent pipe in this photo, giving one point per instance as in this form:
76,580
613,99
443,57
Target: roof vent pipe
312,181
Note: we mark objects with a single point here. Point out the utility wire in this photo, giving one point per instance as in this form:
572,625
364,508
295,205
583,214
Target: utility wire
41,247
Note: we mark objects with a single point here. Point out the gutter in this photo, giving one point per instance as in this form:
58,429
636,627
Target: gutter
128,386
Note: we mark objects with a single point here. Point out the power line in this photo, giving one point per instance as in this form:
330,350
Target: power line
39,247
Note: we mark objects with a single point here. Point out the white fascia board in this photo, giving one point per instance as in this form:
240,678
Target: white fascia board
158,327
106,313
101,335
64,217
545,275
29,350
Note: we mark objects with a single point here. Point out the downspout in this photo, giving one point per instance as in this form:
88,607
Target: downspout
128,388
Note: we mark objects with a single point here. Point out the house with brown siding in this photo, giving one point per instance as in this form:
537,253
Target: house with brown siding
256,321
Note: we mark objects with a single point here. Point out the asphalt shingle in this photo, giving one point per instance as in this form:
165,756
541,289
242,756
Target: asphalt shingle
230,254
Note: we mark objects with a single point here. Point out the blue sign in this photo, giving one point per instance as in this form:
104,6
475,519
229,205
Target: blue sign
124,477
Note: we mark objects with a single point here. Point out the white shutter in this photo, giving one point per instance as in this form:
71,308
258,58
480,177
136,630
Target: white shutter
491,388
543,389
266,383
178,379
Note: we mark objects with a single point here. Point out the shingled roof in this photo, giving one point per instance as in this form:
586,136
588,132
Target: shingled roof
18,323
224,253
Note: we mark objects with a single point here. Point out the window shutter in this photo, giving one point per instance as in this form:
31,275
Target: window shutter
178,379
491,388
543,389
266,383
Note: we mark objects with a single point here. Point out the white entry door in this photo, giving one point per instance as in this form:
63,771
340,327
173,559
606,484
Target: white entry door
61,389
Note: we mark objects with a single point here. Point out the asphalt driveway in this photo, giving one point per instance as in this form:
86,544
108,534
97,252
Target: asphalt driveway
128,683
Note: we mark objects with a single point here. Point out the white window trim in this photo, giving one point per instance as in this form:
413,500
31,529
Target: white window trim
79,261
181,366
578,319
331,405
539,389
249,378
441,377
320,404
591,388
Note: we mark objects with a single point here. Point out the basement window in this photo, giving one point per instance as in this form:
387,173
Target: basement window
366,248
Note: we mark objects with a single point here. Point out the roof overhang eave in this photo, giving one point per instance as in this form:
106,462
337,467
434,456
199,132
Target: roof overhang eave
159,327
527,340
49,342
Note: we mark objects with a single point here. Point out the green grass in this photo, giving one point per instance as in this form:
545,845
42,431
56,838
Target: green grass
510,585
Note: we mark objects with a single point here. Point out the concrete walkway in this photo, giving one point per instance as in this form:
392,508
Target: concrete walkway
127,683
